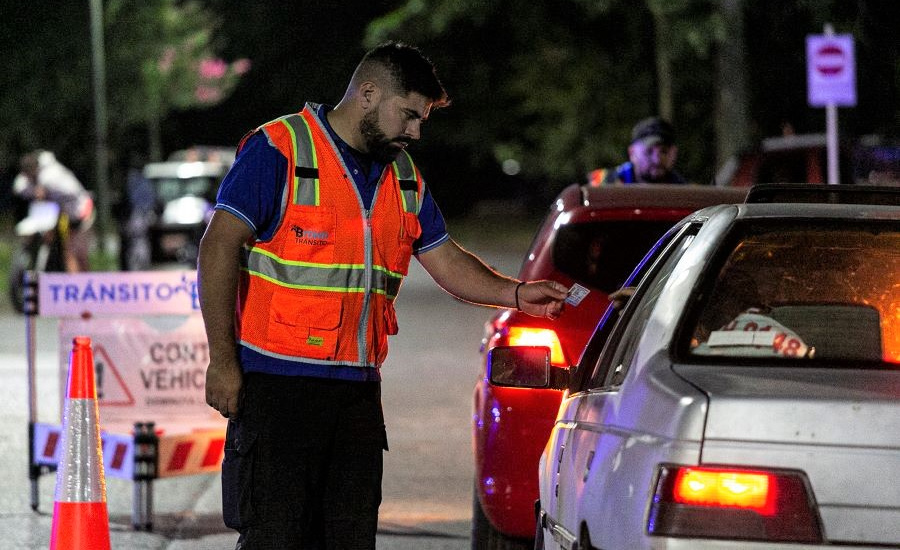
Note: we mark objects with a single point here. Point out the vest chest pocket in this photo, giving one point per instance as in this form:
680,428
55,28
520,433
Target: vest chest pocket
310,234
304,326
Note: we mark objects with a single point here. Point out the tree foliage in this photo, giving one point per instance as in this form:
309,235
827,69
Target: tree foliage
44,76
551,86
558,85
555,86
166,56
166,48
160,57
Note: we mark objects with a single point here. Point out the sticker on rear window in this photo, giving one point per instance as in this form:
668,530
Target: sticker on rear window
576,294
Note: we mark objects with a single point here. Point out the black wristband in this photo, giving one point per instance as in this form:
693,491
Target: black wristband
517,295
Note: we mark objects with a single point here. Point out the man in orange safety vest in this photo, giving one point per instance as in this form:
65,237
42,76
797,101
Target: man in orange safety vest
313,232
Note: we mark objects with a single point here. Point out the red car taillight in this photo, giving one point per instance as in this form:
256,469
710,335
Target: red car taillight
518,335
524,336
733,503
726,488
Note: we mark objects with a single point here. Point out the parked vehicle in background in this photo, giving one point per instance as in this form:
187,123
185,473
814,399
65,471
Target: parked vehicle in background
182,192
783,159
593,236
747,395
793,158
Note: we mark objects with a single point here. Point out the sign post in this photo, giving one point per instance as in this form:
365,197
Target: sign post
831,82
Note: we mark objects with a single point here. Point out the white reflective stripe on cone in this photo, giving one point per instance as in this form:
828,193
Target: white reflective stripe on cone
79,476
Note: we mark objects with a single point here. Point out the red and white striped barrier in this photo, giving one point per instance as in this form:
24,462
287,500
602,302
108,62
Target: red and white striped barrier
191,453
188,453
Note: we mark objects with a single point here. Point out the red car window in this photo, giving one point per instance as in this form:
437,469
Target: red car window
602,254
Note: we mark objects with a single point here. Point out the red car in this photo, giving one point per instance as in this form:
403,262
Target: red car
593,236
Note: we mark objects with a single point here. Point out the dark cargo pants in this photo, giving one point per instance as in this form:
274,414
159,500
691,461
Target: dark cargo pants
303,464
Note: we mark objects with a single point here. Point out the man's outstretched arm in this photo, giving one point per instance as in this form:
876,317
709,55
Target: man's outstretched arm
465,276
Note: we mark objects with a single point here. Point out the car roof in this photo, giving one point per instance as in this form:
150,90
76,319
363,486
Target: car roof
811,210
824,193
689,196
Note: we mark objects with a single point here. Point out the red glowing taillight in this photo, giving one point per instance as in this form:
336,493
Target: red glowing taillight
733,503
532,336
726,488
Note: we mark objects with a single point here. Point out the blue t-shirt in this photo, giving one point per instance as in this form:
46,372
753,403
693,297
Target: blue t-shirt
252,191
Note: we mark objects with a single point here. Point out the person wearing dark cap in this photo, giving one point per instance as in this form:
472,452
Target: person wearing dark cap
651,157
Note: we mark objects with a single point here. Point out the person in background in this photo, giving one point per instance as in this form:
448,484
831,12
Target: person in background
651,157
141,200
43,178
314,228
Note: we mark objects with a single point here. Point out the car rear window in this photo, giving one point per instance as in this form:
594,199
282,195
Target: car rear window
603,254
805,292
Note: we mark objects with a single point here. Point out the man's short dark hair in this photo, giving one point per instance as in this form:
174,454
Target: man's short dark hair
408,69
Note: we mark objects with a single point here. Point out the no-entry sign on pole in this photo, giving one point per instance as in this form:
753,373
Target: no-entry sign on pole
831,82
831,70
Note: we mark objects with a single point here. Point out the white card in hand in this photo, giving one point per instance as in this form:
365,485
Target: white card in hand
576,294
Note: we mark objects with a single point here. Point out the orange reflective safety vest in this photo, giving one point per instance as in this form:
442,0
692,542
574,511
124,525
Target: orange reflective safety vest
322,289
603,176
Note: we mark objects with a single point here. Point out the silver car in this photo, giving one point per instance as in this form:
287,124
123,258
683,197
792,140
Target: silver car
747,394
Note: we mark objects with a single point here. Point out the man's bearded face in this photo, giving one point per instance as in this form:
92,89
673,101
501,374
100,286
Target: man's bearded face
381,147
653,163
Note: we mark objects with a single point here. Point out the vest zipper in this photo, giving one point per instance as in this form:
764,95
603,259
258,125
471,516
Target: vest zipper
364,318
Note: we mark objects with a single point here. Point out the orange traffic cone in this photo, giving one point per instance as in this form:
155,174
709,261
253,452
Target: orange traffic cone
80,517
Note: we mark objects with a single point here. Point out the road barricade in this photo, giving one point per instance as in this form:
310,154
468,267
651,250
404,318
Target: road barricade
150,360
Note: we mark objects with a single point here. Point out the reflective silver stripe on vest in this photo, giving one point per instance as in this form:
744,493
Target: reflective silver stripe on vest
409,185
306,187
294,358
285,192
326,277
79,474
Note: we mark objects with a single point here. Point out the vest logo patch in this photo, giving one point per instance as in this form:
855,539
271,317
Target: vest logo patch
315,340
309,237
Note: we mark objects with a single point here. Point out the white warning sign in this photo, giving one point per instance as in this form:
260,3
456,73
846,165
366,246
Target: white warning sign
830,70
111,388
151,368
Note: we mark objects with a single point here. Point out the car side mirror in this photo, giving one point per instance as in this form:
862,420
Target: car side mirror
519,366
